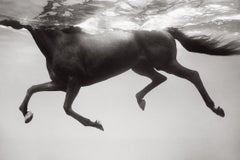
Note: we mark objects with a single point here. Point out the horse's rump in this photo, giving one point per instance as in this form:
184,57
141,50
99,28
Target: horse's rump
159,46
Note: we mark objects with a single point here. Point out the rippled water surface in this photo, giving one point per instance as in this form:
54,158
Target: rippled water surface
100,15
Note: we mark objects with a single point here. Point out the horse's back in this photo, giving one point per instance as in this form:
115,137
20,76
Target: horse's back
107,41
152,38
110,47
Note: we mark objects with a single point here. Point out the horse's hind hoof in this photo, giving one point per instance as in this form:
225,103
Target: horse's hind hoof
219,111
142,104
98,125
28,117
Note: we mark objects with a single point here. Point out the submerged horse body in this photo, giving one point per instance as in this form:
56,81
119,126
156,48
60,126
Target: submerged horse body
94,58
76,59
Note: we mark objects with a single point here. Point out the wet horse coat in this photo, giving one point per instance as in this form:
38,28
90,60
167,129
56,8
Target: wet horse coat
93,58
76,59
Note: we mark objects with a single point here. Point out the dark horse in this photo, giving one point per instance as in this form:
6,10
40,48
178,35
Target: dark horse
76,59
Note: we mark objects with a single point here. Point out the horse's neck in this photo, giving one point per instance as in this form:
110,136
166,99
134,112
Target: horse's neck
44,38
45,41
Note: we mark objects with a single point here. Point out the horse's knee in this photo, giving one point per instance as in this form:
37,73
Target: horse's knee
194,76
29,91
67,110
158,78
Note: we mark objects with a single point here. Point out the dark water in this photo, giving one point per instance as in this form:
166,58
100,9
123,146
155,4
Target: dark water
214,16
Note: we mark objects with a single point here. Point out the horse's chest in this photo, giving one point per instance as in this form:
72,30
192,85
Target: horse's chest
60,69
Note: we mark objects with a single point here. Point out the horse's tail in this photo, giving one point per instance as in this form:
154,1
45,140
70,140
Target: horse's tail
204,44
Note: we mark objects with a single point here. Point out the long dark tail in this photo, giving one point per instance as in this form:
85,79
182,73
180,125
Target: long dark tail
205,44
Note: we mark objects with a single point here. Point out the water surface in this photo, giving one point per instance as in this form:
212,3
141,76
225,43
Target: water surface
101,15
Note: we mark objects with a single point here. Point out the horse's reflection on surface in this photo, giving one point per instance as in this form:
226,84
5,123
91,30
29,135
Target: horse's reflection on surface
76,59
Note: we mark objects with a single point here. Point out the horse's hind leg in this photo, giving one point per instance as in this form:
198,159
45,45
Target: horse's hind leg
71,93
193,76
156,78
49,86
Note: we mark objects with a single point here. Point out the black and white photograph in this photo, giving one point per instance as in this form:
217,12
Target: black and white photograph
119,79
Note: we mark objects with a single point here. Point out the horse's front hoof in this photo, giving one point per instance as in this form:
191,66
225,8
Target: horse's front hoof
142,104
219,111
28,116
98,125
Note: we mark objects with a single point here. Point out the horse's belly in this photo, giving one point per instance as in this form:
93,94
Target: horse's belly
109,69
89,80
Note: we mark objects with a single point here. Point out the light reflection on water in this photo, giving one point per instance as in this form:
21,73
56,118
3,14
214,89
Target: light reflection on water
101,15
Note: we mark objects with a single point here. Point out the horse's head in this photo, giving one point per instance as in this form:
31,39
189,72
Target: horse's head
11,23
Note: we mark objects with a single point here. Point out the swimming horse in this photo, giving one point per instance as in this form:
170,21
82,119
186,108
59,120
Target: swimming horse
76,59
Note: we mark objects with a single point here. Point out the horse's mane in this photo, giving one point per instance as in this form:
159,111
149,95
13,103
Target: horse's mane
63,28
72,29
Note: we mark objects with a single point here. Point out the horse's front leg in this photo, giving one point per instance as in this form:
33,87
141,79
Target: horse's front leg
73,88
49,86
